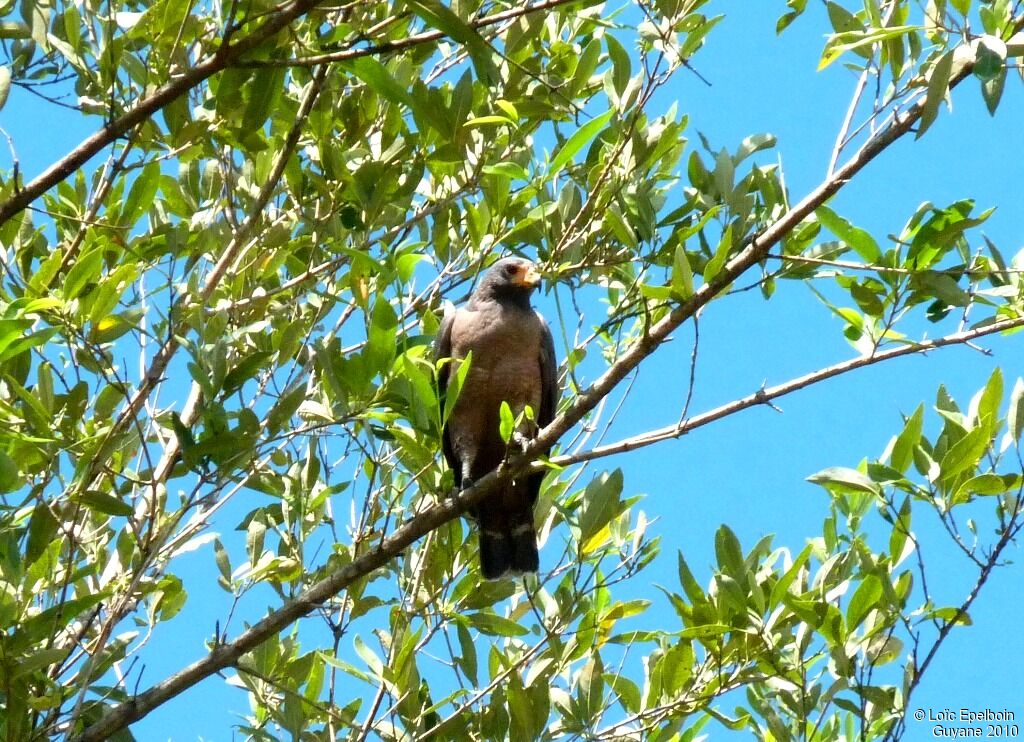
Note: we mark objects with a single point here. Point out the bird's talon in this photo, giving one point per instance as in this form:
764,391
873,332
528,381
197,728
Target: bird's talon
520,440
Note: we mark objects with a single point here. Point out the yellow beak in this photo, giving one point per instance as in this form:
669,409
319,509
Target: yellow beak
531,278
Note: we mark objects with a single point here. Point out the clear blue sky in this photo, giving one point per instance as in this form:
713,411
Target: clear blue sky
748,470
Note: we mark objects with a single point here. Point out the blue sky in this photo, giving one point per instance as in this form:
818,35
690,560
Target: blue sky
748,470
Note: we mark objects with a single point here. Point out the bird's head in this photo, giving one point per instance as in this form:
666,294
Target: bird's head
509,279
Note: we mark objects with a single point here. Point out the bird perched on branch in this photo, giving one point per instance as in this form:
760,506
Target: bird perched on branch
512,359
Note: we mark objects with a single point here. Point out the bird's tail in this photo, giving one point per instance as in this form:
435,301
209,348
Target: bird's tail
512,549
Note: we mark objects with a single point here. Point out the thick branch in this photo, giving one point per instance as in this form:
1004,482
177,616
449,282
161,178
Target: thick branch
396,45
222,58
227,655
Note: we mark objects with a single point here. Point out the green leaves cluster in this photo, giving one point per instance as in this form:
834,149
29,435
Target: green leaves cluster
930,263
827,643
919,51
219,340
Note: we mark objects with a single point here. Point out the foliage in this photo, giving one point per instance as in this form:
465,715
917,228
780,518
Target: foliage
290,194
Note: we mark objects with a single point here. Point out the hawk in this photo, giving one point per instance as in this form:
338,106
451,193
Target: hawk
513,361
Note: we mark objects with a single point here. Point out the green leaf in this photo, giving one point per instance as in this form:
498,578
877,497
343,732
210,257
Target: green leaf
705,631
621,65
729,553
985,485
715,265
244,370
869,302
782,585
495,625
754,143
142,193
105,297
113,326
220,555
455,382
1015,416
14,30
989,401
948,614
12,330
990,59
508,422
50,621
625,689
369,657
10,474
376,76
842,19
601,503
943,287
83,271
900,534
682,275
689,583
965,454
264,91
468,658
105,503
940,231
853,40
902,455
42,527
576,142
512,170
844,479
858,239
5,84
439,16
491,120
866,597
938,84
992,90
38,660
34,306
380,346
406,265
11,347
786,19
284,408
520,709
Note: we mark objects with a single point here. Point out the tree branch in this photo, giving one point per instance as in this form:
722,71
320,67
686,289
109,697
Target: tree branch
222,58
765,396
388,47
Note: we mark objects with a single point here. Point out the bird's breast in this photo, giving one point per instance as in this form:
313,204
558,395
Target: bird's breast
506,350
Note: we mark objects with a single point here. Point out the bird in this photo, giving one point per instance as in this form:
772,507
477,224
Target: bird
512,359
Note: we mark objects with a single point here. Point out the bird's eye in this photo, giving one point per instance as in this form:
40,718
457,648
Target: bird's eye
510,270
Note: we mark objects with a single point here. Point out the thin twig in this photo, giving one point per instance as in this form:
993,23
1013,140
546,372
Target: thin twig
766,395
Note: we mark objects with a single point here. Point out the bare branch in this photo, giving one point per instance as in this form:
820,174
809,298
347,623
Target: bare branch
766,395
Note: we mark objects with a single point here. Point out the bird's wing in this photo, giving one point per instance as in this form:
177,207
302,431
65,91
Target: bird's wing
548,376
443,349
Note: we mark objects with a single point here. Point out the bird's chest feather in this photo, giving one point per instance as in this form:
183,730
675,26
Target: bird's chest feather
505,343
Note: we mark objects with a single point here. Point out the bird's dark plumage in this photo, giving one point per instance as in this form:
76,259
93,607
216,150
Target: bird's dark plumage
513,360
